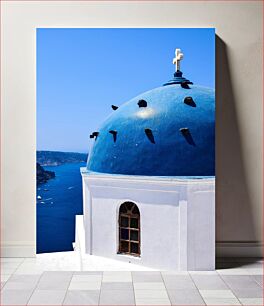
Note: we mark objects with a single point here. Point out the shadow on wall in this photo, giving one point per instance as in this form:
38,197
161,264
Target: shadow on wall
234,209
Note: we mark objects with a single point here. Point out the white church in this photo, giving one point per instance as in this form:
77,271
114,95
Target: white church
149,184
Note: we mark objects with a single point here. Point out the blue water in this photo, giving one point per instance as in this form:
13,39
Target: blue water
61,201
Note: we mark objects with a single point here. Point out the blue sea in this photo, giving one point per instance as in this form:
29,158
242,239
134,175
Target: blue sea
61,200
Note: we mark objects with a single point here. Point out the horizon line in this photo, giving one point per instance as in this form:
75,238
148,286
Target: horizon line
61,151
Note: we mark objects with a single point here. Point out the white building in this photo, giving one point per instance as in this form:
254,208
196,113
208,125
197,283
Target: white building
149,185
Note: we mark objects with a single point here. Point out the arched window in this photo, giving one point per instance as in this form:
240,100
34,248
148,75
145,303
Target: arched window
129,229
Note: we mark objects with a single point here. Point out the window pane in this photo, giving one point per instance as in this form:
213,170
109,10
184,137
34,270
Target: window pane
134,223
135,210
123,208
129,229
134,235
124,221
124,233
124,246
129,205
134,248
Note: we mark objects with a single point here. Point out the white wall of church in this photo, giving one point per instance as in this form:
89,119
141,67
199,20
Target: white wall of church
155,244
177,219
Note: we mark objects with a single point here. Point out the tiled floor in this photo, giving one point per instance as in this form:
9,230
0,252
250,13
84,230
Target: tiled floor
54,282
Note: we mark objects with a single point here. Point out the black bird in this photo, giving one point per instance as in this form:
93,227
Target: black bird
189,101
142,103
187,135
150,135
94,135
114,133
114,107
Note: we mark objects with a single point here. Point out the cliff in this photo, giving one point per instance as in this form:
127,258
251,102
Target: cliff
56,158
43,175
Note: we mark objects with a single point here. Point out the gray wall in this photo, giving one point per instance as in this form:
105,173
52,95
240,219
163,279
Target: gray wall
239,106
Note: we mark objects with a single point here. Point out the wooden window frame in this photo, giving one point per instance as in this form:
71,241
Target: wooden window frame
129,215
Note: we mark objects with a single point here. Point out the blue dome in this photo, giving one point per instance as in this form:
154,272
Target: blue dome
167,131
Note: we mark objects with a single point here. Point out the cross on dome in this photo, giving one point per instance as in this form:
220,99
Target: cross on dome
178,57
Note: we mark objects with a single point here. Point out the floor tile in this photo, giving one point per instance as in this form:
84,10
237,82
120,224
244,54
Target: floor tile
222,301
174,273
31,260
56,275
88,273
29,269
178,282
87,278
258,279
20,285
85,286
254,271
185,297
243,278
251,301
248,293
161,302
5,277
146,277
151,294
117,273
148,273
8,270
203,273
217,294
54,281
240,282
87,297
15,297
22,282
117,297
233,271
10,265
11,259
47,297
117,277
24,278
117,286
209,282
149,285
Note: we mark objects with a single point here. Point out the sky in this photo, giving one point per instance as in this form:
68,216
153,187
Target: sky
82,72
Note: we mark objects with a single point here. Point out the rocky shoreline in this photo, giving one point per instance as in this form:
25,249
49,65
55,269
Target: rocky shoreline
43,175
56,158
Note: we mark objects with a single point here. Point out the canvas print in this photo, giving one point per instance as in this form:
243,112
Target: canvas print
126,145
